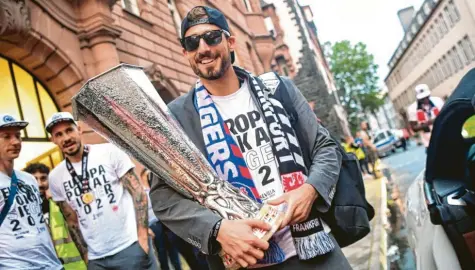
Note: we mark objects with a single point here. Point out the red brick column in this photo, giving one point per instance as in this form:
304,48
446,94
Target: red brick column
98,36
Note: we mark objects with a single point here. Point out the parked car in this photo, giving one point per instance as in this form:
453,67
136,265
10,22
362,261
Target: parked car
440,203
385,142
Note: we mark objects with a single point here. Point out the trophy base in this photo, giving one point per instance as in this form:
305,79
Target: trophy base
269,214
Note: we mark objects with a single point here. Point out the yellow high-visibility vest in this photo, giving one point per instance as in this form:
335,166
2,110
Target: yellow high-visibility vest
62,241
357,151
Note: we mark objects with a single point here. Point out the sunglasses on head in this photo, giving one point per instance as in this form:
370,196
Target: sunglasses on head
212,38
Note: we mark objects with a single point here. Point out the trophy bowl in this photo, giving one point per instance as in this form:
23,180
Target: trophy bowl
123,106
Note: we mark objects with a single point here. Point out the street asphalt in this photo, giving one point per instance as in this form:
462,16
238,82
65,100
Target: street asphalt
405,166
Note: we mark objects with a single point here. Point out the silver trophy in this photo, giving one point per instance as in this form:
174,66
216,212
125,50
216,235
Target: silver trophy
123,106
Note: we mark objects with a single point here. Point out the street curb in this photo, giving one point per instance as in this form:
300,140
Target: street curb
383,256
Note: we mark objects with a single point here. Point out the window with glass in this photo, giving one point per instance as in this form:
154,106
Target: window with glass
419,19
457,59
24,97
131,6
454,13
447,65
270,26
463,53
442,71
448,17
468,48
427,8
443,24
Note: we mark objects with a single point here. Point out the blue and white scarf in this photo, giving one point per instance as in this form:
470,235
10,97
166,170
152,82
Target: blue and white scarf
309,237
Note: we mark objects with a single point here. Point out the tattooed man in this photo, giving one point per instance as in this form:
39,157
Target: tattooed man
102,200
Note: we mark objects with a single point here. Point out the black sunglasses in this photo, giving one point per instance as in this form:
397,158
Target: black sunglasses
212,38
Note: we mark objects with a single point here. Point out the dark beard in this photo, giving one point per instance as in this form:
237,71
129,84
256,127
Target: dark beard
75,151
210,75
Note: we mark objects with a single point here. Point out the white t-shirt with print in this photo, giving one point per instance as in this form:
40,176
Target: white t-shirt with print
108,224
250,133
25,242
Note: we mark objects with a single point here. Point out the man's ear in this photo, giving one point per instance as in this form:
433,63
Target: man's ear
232,43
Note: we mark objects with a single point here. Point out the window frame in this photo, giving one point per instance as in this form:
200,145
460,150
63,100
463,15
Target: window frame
133,6
247,5
36,82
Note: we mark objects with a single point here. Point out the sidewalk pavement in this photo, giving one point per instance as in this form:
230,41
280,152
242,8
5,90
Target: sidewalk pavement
370,252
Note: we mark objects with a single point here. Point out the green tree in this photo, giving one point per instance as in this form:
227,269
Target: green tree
356,79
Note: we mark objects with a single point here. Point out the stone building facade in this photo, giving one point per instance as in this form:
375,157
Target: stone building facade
299,55
438,48
48,50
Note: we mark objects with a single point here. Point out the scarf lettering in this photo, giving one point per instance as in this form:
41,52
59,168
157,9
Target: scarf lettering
227,159
208,117
212,133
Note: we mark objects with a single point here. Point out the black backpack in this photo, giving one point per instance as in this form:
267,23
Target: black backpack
350,212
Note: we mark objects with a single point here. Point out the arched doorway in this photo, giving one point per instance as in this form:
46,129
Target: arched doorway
164,86
23,96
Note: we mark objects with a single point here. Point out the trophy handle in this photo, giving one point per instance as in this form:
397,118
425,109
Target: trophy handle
268,214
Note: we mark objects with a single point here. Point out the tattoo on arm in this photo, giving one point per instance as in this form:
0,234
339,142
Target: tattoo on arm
132,183
73,225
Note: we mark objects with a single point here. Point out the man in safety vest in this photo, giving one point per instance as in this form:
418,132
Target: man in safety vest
64,245
351,146
422,113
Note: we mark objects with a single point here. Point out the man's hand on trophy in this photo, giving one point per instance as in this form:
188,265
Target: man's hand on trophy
299,203
239,242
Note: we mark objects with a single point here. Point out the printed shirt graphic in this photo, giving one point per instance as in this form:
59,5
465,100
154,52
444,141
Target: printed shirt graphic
250,133
25,242
107,224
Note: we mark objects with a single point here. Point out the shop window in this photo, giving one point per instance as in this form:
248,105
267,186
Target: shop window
24,97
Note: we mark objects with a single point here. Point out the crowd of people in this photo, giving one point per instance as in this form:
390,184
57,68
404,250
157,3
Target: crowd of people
114,227
364,149
94,211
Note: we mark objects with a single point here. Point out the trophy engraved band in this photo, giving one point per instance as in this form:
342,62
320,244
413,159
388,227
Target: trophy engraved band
123,106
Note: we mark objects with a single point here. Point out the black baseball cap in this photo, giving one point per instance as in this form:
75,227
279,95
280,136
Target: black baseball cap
214,16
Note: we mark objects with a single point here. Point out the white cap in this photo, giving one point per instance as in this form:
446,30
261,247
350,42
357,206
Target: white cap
422,91
7,120
58,118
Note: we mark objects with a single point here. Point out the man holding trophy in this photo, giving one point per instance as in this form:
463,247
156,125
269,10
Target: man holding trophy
236,174
265,162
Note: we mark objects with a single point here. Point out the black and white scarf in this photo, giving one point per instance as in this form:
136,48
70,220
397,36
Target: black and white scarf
309,236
